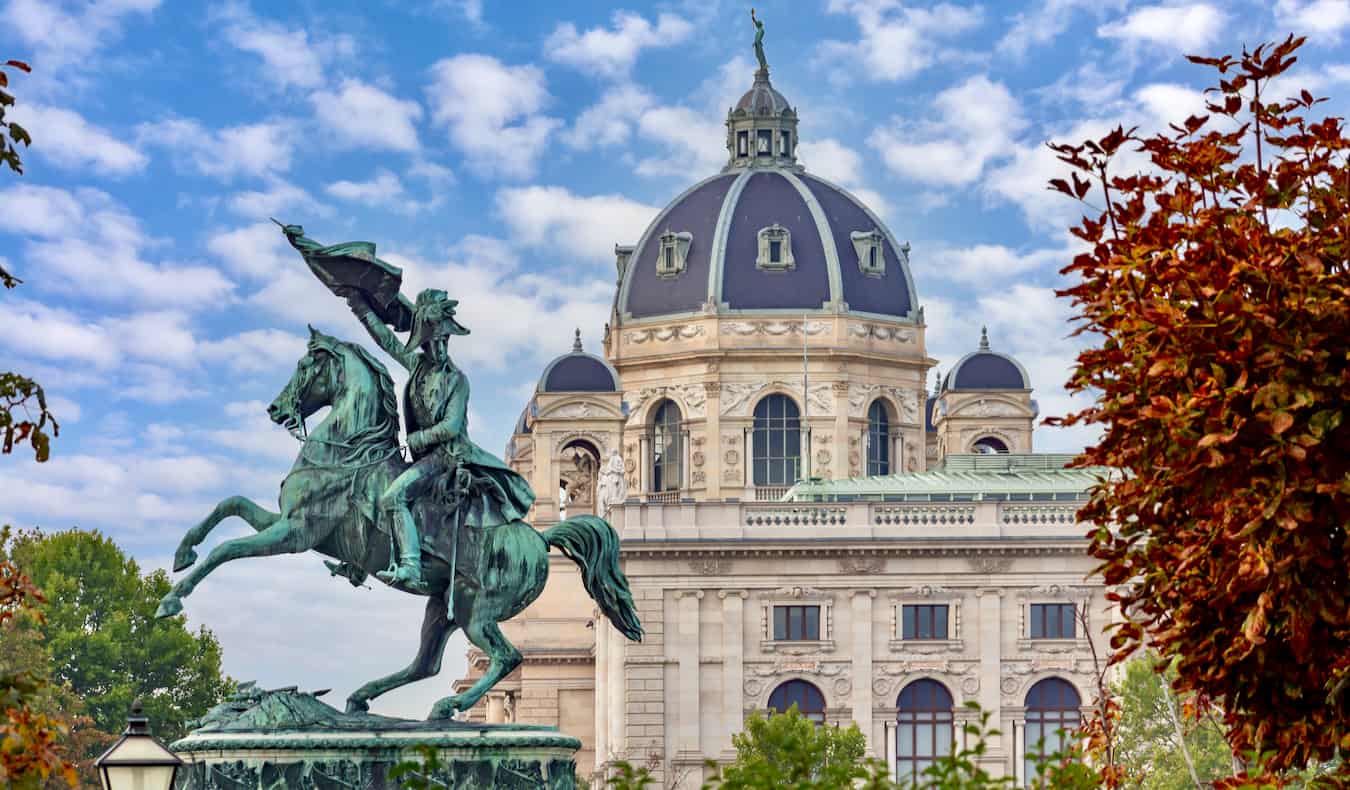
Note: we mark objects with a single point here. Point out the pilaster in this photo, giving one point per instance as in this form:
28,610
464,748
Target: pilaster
689,649
733,662
712,443
862,662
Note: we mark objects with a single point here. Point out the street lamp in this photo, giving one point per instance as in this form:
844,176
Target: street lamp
139,760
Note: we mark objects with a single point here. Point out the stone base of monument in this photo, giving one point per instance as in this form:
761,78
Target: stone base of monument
267,740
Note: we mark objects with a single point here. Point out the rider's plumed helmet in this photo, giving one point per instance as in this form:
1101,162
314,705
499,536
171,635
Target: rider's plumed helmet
433,317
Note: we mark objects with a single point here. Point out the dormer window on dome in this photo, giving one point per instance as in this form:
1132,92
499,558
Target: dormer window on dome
674,252
775,249
871,255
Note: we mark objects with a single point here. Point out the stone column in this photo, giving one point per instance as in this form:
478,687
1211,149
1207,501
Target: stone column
687,649
496,708
644,466
545,481
712,441
733,666
862,662
839,452
601,630
747,448
614,713
991,659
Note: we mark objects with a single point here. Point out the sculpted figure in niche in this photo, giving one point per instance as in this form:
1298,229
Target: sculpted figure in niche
613,488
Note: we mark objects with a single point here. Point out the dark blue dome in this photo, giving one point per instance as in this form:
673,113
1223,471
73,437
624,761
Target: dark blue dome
836,251
578,372
987,370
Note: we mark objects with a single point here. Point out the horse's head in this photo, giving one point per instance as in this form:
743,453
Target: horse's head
313,385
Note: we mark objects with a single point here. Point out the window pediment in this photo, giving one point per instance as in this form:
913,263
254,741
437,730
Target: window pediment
670,261
775,249
870,251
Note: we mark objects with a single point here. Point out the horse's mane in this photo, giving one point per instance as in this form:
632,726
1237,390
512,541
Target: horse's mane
369,443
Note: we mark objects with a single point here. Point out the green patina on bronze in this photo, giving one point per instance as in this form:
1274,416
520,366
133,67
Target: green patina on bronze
448,525
759,42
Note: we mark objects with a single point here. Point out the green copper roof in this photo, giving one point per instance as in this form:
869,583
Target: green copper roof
1040,476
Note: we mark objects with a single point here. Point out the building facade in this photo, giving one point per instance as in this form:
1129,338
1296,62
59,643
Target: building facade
802,521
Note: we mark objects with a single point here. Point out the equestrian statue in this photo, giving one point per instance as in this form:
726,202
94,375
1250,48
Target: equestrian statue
447,523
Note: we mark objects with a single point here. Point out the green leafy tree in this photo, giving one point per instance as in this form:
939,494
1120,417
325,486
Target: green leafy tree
788,750
1216,291
1166,741
104,641
23,405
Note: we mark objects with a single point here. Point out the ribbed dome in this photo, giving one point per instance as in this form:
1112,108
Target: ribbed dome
762,99
719,227
578,372
987,370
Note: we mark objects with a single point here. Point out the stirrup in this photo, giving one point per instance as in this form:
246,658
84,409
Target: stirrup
407,574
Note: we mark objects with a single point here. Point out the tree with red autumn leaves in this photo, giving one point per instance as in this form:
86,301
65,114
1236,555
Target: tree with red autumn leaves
1216,289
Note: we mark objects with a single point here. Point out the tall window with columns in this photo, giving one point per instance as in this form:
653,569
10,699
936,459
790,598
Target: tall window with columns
1052,715
666,449
777,443
923,729
878,439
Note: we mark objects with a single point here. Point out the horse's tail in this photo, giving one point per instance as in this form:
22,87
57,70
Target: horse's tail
592,544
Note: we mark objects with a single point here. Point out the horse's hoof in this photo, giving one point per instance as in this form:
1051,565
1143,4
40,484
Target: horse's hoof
357,706
183,558
446,708
169,606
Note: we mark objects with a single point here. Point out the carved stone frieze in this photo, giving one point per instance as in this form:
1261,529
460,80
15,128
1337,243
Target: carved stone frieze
693,399
710,566
882,332
738,398
908,402
861,564
989,408
926,591
663,334
577,411
990,564
774,328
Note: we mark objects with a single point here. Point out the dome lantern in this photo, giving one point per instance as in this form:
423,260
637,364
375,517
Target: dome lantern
762,127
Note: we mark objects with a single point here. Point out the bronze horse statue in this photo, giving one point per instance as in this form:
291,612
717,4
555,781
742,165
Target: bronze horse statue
476,575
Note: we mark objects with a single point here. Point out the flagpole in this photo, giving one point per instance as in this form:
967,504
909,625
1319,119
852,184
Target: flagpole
806,407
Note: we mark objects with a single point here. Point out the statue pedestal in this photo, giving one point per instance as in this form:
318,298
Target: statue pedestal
284,739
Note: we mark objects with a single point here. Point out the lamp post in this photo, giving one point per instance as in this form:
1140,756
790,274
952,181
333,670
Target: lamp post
139,760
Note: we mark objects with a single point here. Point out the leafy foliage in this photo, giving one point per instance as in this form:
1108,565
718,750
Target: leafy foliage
30,740
1166,741
788,750
23,404
104,641
1217,285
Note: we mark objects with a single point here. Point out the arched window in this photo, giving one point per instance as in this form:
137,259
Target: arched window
808,699
878,439
988,445
1052,715
666,451
923,731
777,442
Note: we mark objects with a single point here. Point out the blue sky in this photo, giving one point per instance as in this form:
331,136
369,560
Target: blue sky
498,150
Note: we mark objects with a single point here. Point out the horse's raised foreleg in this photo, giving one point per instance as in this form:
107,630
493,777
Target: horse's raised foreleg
280,538
503,657
437,626
257,517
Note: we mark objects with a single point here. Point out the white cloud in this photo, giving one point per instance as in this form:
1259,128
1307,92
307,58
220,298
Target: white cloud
1190,27
584,226
252,432
1322,19
363,116
64,34
255,350
49,333
276,199
976,124
1044,22
896,42
491,112
982,264
693,142
384,190
257,250
93,246
1168,102
289,59
609,121
612,52
834,161
254,149
70,142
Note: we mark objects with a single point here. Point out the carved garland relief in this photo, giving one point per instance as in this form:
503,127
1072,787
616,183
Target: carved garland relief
663,334
909,402
739,397
773,328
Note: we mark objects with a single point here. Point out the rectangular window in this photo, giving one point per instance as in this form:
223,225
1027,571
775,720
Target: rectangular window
796,623
785,146
765,144
1053,621
742,143
923,621
775,251
670,258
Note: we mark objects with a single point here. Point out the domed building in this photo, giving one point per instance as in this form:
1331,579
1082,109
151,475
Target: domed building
801,521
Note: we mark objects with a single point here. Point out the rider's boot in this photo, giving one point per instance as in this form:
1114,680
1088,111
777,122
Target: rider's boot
408,573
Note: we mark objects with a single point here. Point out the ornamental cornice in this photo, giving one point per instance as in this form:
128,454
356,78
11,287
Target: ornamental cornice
985,559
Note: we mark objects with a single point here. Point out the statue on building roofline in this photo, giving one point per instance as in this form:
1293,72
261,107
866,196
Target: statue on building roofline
448,524
759,42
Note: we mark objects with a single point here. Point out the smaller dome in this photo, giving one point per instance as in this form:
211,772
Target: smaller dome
579,372
762,99
987,370
525,424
